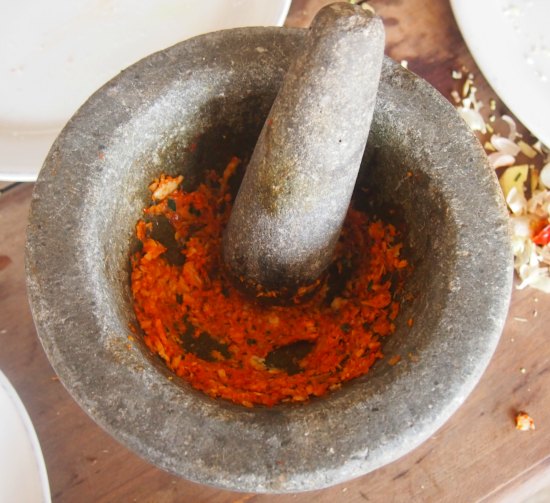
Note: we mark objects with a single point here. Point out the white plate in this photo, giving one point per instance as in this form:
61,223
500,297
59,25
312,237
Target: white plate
23,477
510,41
56,53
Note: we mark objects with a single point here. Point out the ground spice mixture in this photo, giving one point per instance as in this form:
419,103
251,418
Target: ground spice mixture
237,348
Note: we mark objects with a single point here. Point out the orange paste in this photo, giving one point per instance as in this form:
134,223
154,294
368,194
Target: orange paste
179,304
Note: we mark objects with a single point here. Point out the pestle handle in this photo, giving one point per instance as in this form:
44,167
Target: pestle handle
296,191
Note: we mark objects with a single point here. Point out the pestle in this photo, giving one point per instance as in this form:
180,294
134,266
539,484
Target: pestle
297,188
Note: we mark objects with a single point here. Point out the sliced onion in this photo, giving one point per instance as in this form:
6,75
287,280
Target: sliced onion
521,226
500,159
535,277
539,204
505,145
473,118
516,201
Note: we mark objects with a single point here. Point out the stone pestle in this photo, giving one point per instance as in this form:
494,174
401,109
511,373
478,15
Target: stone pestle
296,191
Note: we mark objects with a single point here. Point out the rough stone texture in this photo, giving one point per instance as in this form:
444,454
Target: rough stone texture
296,191
220,86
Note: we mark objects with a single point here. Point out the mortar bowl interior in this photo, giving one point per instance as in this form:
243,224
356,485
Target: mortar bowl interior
191,108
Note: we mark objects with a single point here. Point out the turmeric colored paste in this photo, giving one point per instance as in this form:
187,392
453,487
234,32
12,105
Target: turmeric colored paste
179,306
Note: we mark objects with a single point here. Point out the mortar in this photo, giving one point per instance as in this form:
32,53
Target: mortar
190,108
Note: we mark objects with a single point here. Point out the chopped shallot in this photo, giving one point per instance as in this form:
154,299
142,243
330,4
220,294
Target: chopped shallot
539,204
534,276
473,118
521,225
500,159
516,201
525,188
505,145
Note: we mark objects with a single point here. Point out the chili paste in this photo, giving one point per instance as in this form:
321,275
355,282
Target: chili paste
231,346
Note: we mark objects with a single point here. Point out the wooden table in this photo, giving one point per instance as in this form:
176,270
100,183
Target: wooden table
477,455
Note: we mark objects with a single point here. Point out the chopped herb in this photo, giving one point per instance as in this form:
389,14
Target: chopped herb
171,204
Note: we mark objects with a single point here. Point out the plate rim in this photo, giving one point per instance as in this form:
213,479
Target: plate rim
28,150
26,422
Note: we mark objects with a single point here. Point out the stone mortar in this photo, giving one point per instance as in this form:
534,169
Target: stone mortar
189,108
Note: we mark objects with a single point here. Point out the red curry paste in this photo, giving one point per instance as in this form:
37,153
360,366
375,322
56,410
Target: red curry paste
177,305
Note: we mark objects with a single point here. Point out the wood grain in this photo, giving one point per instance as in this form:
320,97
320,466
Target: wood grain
477,455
